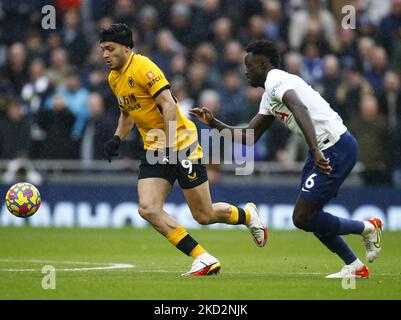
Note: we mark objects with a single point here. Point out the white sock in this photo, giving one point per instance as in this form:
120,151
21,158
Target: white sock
357,264
368,228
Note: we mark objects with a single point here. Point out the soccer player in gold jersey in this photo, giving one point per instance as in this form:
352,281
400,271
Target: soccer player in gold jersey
144,98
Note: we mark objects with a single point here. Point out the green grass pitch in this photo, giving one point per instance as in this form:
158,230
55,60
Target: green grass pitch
291,266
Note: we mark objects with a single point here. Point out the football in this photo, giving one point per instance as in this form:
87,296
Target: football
23,199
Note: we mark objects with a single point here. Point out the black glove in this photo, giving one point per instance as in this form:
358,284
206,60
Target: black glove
111,147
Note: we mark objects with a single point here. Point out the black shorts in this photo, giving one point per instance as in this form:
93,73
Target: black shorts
192,175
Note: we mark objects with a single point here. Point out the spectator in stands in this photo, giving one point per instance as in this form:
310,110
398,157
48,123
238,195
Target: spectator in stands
349,93
73,38
15,136
197,79
255,30
17,66
371,129
35,46
396,53
390,106
275,25
166,47
390,25
377,9
97,131
379,62
125,12
205,53
314,34
222,33
300,19
180,24
233,57
59,64
239,12
76,100
148,23
33,94
346,48
365,47
58,122
54,40
6,87
232,98
330,82
293,63
312,61
179,67
203,20
36,90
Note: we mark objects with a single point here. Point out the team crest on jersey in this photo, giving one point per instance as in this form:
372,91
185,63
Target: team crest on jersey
150,75
131,82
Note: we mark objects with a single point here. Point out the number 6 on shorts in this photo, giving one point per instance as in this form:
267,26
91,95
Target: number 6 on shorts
309,183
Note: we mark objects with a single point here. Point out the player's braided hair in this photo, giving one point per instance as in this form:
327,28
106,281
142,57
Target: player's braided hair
265,48
118,32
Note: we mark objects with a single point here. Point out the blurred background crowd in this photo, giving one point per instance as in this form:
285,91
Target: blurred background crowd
55,102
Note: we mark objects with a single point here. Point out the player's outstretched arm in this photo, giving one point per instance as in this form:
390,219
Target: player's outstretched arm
258,125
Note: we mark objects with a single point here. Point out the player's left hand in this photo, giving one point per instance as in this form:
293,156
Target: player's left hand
111,147
321,163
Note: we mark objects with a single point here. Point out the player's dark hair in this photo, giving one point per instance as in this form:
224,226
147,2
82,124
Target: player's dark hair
265,48
119,33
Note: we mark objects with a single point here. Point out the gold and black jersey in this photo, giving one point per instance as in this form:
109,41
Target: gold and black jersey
136,85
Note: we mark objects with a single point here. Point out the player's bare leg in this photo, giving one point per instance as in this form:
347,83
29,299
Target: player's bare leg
152,194
205,212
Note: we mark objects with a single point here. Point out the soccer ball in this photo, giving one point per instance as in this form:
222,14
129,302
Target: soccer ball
23,199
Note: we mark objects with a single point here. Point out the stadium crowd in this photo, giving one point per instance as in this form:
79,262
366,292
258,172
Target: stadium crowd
55,102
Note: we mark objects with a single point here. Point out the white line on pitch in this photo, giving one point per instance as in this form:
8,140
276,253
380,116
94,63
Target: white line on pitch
109,265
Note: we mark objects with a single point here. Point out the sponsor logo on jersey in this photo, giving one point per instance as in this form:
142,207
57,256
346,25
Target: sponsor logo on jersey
154,80
150,75
276,86
129,102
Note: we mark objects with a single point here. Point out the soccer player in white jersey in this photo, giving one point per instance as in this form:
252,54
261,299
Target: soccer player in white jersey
333,152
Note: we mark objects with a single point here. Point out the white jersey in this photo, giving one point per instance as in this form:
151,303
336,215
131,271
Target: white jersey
328,124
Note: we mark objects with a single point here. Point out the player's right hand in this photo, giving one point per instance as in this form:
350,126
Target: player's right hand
111,147
204,115
321,162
